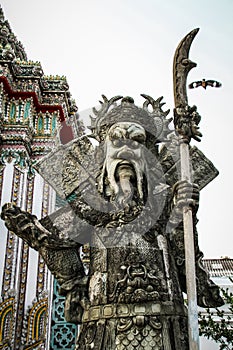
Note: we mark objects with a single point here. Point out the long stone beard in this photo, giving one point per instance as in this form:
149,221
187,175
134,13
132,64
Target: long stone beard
125,182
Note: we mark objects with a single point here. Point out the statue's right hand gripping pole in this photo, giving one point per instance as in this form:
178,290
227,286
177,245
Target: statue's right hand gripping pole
186,120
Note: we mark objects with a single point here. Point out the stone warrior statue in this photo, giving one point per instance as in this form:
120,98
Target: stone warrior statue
124,198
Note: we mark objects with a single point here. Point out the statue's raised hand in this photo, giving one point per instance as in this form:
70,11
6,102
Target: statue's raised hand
20,222
185,195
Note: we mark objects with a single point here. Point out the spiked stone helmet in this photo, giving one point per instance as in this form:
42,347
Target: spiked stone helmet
153,121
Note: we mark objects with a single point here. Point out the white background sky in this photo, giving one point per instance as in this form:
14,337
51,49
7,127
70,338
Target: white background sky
126,47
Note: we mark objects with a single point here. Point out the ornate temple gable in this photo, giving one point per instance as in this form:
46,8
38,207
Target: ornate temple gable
36,110
33,109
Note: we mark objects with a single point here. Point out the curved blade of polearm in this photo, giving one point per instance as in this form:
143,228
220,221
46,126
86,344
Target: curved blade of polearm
181,67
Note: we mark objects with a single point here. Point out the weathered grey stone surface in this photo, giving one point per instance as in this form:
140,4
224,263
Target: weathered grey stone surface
125,199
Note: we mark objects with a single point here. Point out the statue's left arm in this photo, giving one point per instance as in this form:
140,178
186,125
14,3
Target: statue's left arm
62,256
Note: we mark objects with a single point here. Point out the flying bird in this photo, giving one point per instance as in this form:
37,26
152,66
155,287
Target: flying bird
204,83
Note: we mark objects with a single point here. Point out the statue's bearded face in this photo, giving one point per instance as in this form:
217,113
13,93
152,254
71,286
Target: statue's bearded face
122,176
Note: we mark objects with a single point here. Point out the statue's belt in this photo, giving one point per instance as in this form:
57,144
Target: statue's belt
94,313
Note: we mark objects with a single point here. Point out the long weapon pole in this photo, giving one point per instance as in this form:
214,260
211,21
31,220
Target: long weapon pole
189,256
184,120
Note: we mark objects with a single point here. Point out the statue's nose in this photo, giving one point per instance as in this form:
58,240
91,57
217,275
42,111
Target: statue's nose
125,153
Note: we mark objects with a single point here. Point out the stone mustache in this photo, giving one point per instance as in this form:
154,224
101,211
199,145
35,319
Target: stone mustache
124,198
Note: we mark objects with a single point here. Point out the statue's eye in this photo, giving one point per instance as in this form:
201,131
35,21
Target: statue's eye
117,142
138,137
116,134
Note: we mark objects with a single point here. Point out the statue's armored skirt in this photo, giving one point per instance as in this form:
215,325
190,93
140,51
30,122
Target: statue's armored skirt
135,298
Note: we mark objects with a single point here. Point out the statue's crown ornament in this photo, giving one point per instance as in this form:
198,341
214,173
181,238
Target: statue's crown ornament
150,116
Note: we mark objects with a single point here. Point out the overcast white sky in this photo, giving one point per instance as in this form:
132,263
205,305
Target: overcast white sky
126,47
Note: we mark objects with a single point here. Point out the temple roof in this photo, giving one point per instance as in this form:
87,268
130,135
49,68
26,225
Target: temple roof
22,79
219,267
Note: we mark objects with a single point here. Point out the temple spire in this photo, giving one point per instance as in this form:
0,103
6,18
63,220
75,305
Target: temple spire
10,46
